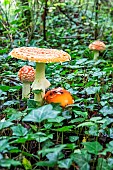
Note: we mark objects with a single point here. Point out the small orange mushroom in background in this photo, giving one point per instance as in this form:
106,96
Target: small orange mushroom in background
59,95
97,46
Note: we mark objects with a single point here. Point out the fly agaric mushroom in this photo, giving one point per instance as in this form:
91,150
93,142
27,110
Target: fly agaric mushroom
40,56
97,46
59,95
26,75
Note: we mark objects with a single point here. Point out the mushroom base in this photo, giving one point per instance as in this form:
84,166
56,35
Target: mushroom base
40,82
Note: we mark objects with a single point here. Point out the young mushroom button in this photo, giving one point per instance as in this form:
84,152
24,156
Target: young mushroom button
59,95
26,75
40,56
97,46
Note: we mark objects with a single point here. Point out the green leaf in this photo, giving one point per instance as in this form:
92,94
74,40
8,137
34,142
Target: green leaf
80,113
31,103
82,159
93,147
11,102
102,164
86,124
5,124
58,148
65,163
73,138
92,90
110,162
4,145
8,162
45,163
64,129
19,130
40,114
27,164
106,110
58,119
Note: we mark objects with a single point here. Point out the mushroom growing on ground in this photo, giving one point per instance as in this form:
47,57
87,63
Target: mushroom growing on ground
40,56
26,75
59,95
97,46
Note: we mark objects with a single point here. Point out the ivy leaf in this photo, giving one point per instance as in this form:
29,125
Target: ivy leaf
4,145
8,162
82,159
106,110
45,163
73,138
93,147
5,124
86,124
19,130
102,164
40,114
65,163
92,90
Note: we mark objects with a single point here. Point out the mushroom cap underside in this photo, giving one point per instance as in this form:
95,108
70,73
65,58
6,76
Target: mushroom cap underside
41,55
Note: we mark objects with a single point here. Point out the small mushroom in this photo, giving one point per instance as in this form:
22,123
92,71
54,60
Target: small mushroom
40,56
97,46
26,75
59,95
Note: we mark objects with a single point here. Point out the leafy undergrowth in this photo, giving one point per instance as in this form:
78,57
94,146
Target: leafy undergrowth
77,137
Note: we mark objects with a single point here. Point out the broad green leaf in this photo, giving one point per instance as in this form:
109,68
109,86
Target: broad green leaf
40,114
93,147
82,160
65,163
4,145
88,124
11,102
95,119
80,113
73,138
45,163
58,148
58,119
16,116
92,90
19,130
64,129
77,120
107,110
31,103
5,124
8,162
110,162
102,164
53,157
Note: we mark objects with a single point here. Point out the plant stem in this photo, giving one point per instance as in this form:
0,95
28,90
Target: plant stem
40,83
25,90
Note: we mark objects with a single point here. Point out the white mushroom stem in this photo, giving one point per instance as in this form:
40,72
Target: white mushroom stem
26,90
96,54
40,82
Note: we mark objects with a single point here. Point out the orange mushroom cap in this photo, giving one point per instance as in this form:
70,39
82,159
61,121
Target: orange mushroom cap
97,45
26,74
59,95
